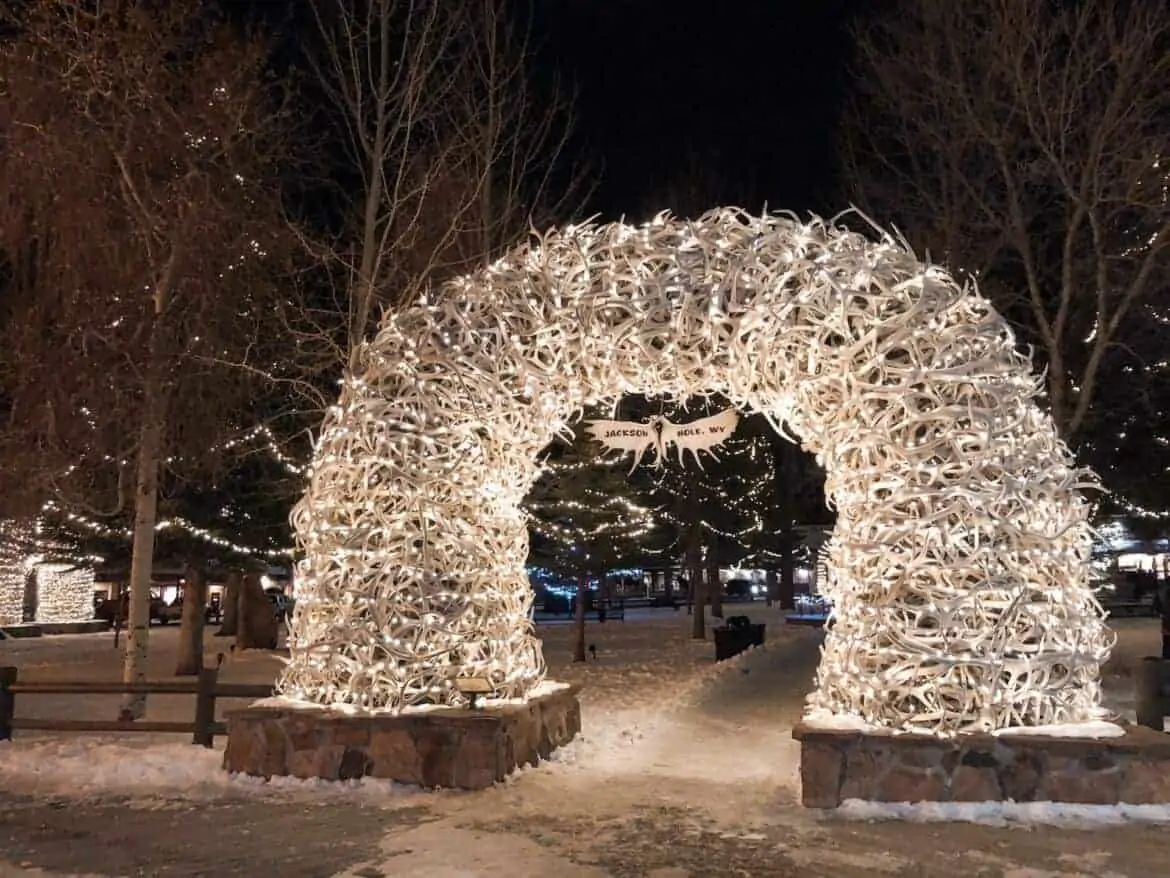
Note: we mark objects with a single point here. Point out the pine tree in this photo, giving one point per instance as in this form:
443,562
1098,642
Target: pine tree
585,519
744,504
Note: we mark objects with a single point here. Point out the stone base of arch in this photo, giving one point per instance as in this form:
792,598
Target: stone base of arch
836,766
449,748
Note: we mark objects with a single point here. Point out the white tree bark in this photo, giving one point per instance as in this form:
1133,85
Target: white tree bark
142,557
152,430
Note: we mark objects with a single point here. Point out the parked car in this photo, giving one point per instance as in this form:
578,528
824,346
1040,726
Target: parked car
165,613
113,609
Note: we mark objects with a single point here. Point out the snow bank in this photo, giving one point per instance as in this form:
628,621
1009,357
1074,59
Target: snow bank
1004,813
88,767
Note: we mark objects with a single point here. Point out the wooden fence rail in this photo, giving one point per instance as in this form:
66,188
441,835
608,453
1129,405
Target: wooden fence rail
203,727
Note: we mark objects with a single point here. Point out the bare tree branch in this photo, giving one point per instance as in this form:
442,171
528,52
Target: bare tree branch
1025,142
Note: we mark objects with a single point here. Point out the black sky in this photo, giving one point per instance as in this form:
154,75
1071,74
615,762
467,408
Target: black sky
751,89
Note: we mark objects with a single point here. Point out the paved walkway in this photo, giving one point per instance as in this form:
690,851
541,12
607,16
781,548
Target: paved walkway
507,832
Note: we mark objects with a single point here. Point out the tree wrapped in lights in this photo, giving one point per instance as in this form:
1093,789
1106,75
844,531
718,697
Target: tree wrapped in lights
582,510
17,543
45,574
584,520
743,507
709,509
958,569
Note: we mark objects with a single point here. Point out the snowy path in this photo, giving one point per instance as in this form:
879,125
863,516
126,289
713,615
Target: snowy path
684,768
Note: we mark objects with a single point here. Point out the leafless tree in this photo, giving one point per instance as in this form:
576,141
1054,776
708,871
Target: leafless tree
1024,142
136,192
452,147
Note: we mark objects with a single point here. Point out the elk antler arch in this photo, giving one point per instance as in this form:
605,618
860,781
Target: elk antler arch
958,568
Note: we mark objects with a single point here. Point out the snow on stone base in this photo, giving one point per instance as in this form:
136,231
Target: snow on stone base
1004,813
823,720
1092,729
281,702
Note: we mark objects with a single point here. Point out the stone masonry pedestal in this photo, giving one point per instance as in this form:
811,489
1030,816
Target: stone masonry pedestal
450,748
1133,768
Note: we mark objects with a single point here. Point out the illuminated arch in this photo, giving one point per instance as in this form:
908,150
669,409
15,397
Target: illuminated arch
958,568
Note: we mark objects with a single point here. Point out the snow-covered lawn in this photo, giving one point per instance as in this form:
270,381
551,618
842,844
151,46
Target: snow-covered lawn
653,700
654,704
679,759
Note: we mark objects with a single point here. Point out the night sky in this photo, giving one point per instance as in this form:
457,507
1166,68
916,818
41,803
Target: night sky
747,92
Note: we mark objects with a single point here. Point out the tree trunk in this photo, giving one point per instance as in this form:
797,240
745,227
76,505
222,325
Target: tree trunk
150,443
579,620
692,567
699,590
784,461
698,593
715,590
788,543
190,661
1162,596
257,626
230,605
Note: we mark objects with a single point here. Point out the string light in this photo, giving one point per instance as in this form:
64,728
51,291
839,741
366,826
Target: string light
269,444
958,571
17,541
63,592
1140,511
556,519
104,531
747,502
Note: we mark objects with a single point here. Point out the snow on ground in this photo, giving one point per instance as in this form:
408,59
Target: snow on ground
653,701
93,766
656,711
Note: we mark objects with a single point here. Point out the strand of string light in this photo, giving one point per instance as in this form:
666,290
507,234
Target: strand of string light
98,529
64,588
269,445
958,570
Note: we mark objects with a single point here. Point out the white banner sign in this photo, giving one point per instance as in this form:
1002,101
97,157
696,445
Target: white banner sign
704,434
